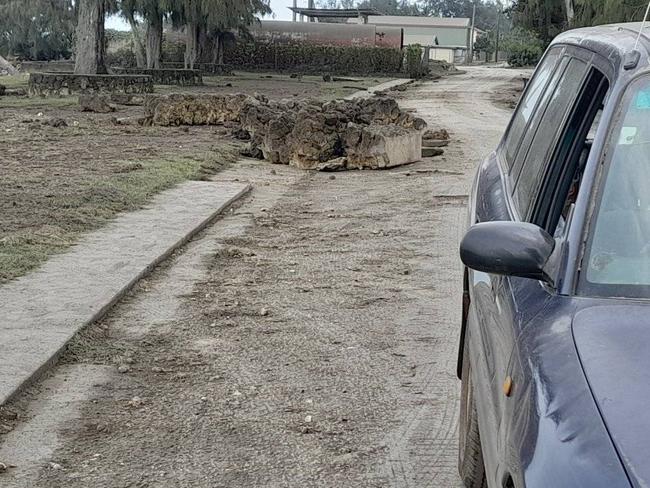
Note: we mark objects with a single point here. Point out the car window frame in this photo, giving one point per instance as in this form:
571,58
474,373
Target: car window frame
548,193
500,152
569,53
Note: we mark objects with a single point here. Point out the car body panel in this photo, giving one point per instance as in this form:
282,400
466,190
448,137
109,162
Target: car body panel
613,341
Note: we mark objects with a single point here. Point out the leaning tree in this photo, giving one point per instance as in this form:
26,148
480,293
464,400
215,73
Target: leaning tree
208,22
153,12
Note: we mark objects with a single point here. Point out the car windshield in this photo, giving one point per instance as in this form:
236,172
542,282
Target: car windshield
618,259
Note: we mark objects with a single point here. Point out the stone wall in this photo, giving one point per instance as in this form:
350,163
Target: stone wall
205,68
56,84
166,76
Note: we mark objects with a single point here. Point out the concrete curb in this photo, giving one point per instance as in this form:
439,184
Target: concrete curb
29,377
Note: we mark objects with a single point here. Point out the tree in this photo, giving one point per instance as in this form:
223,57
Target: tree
207,22
154,13
37,29
90,44
550,17
547,18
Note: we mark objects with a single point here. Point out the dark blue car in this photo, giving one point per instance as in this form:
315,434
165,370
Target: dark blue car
555,345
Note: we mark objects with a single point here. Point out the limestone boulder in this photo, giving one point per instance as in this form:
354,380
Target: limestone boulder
379,146
203,109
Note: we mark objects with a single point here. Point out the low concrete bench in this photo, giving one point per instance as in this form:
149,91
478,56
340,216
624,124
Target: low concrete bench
57,84
166,76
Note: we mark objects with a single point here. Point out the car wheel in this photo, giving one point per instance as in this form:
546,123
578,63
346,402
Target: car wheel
470,462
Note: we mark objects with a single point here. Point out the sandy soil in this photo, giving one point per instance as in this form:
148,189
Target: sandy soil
306,339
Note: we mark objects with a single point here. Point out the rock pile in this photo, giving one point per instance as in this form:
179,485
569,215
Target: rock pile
342,134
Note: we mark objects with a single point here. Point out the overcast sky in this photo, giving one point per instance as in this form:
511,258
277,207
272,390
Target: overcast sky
279,7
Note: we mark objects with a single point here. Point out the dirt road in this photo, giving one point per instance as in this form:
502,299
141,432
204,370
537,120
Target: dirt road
306,339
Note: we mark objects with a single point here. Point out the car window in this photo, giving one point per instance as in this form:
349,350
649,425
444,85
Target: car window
617,261
536,119
563,178
546,133
528,103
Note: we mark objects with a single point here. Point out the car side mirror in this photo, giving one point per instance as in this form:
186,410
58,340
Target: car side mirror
508,248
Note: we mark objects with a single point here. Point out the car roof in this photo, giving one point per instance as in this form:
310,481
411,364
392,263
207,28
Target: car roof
613,41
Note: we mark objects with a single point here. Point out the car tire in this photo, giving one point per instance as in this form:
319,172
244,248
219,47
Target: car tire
470,455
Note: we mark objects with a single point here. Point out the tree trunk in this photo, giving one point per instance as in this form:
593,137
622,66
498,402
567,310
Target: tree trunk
90,46
138,45
191,44
7,66
570,12
154,41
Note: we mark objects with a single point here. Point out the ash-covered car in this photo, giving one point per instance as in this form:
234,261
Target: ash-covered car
555,344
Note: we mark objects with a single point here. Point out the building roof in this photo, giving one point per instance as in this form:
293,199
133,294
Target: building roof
341,13
411,20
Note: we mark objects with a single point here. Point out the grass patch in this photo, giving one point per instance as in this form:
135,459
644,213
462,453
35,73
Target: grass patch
38,102
15,81
129,188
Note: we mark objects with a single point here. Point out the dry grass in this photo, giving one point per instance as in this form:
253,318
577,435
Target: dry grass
99,200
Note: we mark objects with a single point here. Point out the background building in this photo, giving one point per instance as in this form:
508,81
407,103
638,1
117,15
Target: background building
449,38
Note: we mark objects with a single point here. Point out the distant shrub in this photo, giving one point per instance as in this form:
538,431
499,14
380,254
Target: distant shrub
313,59
415,68
524,48
124,57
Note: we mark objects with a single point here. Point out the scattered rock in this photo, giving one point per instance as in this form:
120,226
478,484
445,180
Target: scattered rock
435,142
55,122
15,92
264,312
55,466
241,134
3,89
441,134
430,152
327,78
135,402
96,103
123,368
332,177
295,76
3,467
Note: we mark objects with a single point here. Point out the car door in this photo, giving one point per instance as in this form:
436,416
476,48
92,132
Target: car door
490,313
554,188
503,304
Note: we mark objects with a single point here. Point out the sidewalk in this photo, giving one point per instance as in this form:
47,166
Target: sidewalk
41,312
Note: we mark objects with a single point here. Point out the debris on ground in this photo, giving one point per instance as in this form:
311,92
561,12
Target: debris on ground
55,122
430,152
96,103
441,135
342,134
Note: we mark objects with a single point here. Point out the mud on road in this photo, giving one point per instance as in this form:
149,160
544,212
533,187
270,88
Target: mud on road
308,338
